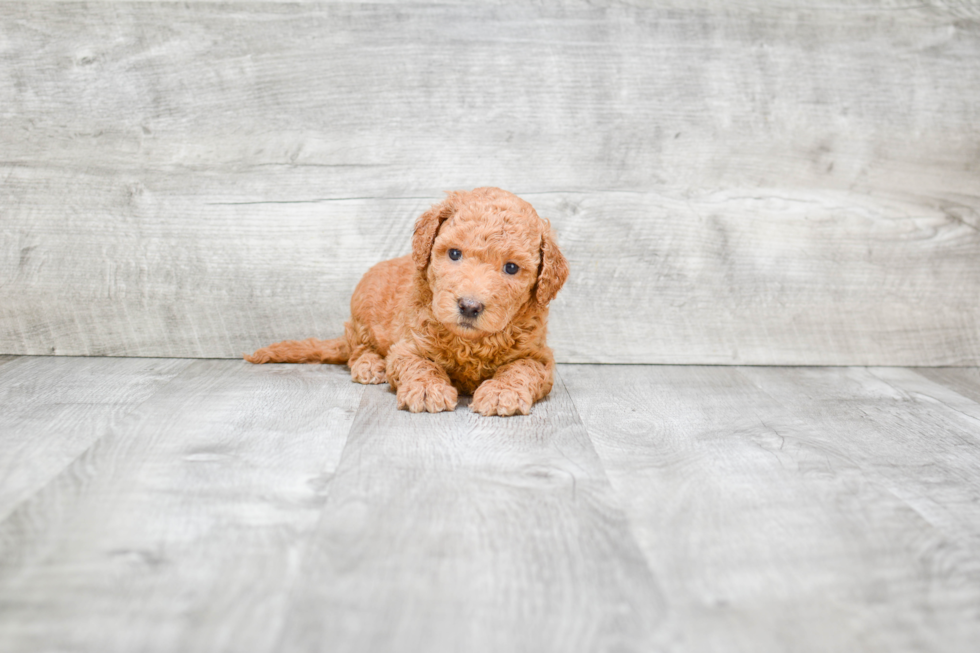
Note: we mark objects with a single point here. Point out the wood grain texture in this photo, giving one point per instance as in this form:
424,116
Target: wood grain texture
958,390
455,532
180,529
965,381
796,184
919,443
792,508
53,409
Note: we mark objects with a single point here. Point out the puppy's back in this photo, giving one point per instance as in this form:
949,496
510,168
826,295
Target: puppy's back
379,297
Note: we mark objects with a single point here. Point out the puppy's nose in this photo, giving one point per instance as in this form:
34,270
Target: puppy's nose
470,307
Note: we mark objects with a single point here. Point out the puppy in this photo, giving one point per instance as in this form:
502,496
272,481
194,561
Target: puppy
466,312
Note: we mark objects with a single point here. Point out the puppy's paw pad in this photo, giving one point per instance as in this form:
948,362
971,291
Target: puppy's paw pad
369,370
431,398
494,398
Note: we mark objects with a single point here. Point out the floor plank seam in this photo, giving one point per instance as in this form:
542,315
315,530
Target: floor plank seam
623,513
123,419
916,396
304,547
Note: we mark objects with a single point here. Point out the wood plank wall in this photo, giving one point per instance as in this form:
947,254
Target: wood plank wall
753,182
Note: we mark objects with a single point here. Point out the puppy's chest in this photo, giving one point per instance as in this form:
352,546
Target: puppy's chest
471,362
467,370
468,379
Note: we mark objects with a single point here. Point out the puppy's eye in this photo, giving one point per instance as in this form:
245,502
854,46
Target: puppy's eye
511,268
455,254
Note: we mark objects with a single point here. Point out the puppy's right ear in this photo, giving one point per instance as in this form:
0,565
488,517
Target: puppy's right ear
554,268
427,226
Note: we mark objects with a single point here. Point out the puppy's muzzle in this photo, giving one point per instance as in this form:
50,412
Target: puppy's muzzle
470,308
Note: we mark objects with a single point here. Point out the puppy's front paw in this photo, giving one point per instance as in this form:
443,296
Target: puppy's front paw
496,398
431,397
369,368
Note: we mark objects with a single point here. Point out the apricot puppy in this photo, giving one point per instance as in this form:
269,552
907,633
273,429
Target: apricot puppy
466,312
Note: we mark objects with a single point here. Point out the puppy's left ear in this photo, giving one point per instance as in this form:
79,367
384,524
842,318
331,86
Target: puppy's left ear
427,226
553,271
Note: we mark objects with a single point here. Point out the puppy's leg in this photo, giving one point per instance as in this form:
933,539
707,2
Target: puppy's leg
421,384
310,350
366,366
365,363
514,388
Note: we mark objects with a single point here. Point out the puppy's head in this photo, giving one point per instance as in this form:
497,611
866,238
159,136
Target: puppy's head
485,255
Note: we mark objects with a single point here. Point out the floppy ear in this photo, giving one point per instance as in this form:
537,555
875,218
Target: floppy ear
427,226
553,271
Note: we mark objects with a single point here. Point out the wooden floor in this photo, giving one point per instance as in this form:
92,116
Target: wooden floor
211,505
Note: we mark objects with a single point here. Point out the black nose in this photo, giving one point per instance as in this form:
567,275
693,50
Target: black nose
470,308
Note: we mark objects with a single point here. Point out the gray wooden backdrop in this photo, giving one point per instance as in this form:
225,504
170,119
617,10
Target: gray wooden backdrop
741,182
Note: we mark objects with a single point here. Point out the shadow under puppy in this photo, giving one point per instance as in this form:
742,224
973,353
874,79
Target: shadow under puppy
466,312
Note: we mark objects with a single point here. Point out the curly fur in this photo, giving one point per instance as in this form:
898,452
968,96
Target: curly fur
408,326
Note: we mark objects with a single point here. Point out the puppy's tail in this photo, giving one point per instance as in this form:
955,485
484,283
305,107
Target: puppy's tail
310,350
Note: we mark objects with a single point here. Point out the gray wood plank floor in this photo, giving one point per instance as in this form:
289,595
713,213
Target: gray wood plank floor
210,505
